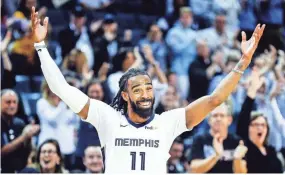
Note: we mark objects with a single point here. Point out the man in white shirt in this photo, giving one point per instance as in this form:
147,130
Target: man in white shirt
136,139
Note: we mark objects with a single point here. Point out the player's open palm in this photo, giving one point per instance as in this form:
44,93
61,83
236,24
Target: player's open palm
248,47
39,31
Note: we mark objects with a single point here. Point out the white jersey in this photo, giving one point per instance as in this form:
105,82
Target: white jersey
131,147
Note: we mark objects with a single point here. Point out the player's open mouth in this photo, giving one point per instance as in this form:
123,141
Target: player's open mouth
259,134
147,103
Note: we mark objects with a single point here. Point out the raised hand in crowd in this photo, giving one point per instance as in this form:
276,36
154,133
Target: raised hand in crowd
30,130
218,145
240,151
255,82
103,71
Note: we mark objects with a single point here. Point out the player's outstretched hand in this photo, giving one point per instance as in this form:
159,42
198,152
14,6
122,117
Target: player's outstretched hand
248,47
39,31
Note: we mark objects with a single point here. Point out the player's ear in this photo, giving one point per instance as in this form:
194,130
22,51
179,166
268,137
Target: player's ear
125,95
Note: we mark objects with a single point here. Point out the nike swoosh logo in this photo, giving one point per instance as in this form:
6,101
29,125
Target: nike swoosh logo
123,125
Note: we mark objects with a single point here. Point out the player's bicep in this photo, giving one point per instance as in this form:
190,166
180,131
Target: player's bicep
84,112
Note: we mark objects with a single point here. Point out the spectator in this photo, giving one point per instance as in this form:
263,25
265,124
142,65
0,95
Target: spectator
155,40
218,151
107,45
231,8
174,164
237,97
181,41
57,122
172,79
15,136
76,65
49,159
87,134
7,75
218,36
254,128
203,11
201,71
77,35
170,100
93,160
173,8
25,8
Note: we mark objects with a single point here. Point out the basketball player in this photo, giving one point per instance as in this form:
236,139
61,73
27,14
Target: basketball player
136,139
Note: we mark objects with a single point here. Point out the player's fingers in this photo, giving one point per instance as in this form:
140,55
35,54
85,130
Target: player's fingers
38,21
243,36
46,22
33,12
36,15
262,29
257,28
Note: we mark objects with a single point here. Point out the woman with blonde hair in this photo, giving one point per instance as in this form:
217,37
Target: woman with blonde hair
57,122
76,64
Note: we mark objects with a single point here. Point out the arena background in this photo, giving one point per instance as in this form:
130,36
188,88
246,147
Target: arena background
194,43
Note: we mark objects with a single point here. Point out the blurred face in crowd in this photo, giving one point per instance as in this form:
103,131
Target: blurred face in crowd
95,91
155,33
203,49
79,21
259,62
93,159
176,151
186,19
220,23
172,79
258,130
110,27
128,61
220,120
170,100
30,3
9,104
49,157
140,95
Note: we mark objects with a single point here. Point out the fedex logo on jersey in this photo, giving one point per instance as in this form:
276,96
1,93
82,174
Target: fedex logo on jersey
136,142
151,127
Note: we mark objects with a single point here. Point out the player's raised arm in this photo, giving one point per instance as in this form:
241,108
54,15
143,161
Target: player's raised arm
198,110
74,98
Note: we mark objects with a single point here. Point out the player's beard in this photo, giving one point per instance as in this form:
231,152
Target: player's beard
143,112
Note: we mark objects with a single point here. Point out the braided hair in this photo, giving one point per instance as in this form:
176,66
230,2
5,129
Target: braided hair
118,103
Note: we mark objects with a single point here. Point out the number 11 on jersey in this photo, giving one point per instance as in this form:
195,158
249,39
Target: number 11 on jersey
142,155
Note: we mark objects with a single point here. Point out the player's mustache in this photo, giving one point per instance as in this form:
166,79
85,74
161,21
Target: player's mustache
145,100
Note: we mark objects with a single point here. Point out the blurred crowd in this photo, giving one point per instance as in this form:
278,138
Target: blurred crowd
187,47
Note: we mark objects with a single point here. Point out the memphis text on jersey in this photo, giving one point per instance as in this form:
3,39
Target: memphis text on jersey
136,142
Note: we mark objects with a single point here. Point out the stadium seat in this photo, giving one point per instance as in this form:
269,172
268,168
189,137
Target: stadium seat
22,84
30,102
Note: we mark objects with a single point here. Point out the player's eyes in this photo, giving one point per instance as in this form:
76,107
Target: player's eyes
136,90
149,88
